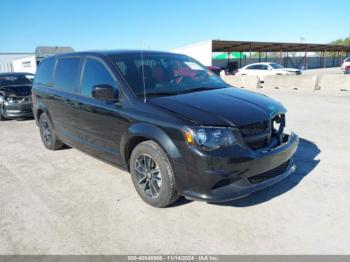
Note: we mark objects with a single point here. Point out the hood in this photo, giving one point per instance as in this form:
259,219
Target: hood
221,107
24,90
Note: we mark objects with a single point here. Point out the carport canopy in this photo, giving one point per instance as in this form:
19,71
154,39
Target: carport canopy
248,46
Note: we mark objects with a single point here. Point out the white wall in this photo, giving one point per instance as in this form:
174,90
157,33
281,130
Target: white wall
200,51
26,64
6,67
6,60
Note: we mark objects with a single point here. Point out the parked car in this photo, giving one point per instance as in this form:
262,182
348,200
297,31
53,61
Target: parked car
264,69
347,70
345,63
177,128
15,95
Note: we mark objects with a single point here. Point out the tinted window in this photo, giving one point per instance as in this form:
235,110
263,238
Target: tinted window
15,80
67,74
44,73
162,74
253,67
95,73
276,66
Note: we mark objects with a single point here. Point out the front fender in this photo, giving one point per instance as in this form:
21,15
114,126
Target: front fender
150,132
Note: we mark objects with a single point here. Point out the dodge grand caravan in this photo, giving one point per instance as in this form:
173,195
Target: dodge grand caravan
175,126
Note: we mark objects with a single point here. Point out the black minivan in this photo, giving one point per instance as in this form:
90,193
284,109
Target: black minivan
173,124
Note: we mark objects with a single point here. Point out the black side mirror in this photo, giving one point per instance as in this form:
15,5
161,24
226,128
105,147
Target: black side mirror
104,92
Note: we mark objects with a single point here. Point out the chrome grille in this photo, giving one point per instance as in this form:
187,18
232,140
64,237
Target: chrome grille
254,129
259,135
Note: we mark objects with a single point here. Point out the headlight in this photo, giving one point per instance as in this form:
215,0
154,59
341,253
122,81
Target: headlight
209,138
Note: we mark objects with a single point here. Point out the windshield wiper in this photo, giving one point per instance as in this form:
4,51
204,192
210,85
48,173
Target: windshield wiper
200,89
159,94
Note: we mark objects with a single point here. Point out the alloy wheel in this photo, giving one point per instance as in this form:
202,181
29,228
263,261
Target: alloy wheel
148,175
46,132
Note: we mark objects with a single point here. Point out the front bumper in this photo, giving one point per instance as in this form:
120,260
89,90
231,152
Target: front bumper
225,179
17,110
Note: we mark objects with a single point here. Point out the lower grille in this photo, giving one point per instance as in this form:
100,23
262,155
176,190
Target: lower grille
269,174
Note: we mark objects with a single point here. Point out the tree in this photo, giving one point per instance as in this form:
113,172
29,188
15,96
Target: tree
345,41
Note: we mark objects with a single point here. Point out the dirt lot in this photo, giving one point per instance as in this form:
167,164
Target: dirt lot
324,71
66,202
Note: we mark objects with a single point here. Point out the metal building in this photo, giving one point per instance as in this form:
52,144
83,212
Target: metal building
308,55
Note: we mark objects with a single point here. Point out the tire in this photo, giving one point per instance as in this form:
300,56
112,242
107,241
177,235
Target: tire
47,135
1,116
145,159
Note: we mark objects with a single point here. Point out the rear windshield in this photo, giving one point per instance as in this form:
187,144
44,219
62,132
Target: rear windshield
158,74
276,66
15,80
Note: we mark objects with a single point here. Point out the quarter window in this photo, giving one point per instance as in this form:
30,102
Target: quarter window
44,73
95,73
67,74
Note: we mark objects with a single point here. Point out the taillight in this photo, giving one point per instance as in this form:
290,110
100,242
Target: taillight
347,68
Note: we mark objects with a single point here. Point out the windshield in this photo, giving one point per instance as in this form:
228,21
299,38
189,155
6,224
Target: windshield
160,74
15,80
276,66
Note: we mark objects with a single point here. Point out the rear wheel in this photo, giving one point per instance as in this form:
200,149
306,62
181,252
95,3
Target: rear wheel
48,137
152,174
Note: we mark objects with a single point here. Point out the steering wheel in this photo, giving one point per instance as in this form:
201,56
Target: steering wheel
178,79
201,75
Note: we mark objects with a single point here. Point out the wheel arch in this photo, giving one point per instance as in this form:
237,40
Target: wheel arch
141,132
38,110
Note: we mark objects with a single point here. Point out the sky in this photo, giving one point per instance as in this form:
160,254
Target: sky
166,24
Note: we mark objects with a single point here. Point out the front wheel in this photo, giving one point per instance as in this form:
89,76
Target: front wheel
152,174
1,116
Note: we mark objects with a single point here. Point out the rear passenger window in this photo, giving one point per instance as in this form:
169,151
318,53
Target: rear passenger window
253,67
67,74
43,75
95,73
